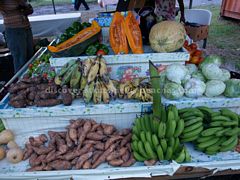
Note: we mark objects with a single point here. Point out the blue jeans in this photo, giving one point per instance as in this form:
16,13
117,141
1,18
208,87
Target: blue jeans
20,44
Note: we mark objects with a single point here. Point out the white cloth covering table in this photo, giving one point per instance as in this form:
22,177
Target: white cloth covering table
49,25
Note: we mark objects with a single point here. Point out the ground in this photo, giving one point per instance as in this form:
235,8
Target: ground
224,38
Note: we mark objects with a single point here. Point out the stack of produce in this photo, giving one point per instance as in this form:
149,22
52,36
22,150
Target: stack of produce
195,53
123,32
209,80
31,91
135,89
159,140
97,49
193,124
85,145
9,147
88,79
211,131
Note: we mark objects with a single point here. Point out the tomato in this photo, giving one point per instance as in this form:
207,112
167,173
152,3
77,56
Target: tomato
30,66
185,43
45,75
101,52
193,46
198,53
195,59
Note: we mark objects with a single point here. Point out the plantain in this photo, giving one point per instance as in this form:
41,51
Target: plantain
87,66
97,94
112,90
103,67
88,92
105,94
67,76
66,68
83,82
75,78
93,71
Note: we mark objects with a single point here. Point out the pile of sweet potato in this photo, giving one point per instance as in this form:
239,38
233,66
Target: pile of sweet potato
85,145
37,91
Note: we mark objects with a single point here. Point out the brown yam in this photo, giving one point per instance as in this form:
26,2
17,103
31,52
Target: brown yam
60,165
94,127
96,155
116,154
112,140
51,156
130,162
116,162
73,135
87,164
82,159
69,142
27,151
108,129
95,136
124,132
36,168
100,146
126,156
48,102
126,139
18,104
42,150
150,162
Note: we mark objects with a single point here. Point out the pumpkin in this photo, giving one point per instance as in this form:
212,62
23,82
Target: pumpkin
167,36
79,42
117,35
133,32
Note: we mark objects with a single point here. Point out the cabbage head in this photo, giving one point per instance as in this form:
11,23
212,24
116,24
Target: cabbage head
211,59
226,75
232,88
212,72
199,75
192,68
173,90
214,88
194,88
176,73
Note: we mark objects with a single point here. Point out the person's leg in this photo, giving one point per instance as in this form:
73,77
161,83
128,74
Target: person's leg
29,41
77,4
85,4
16,41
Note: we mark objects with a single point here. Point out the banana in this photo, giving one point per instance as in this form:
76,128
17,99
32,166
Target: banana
141,150
171,142
189,139
150,117
87,66
221,118
163,144
75,78
230,146
176,145
161,130
156,125
230,123
134,146
192,127
149,138
112,90
131,94
57,80
135,131
155,140
190,118
138,157
147,122
83,83
93,71
179,129
214,114
150,151
211,131
142,121
184,110
175,112
228,113
122,87
229,140
66,68
171,126
216,123
67,76
195,112
192,133
97,94
205,138
105,94
135,137
88,92
181,156
169,153
127,88
192,121
215,147
143,137
160,153
170,116
208,143
103,67
187,155
222,132
232,132
138,124
205,109
163,114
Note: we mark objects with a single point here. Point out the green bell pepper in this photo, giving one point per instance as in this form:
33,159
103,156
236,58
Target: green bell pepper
91,50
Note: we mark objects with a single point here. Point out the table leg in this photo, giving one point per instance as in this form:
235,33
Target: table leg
190,4
54,9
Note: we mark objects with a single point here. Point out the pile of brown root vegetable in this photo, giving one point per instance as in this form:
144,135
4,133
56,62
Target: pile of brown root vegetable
37,91
85,145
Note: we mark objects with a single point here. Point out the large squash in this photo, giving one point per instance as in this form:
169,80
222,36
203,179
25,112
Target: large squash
117,35
77,44
167,36
133,32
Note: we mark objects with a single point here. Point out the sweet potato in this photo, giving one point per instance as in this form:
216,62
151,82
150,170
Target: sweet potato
76,123
18,104
19,97
39,160
94,127
82,159
73,135
32,159
128,145
60,165
124,132
36,168
93,122
90,142
116,154
14,88
50,157
126,139
70,155
111,140
82,135
36,142
42,150
116,162
130,162
100,132
150,162
69,142
126,156
103,156
48,102
74,161
100,146
96,155
47,168
62,134
43,138
47,95
108,129
95,136
27,151
87,164
52,134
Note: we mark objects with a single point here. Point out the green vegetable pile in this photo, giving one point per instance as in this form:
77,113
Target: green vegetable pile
97,49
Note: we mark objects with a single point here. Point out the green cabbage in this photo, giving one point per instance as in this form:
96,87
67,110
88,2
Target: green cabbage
212,72
192,68
194,88
173,91
214,88
232,88
226,75
212,59
176,72
199,75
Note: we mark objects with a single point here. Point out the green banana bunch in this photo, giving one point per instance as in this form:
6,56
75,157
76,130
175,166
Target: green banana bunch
88,92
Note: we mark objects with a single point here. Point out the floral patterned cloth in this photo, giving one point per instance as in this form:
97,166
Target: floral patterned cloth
165,9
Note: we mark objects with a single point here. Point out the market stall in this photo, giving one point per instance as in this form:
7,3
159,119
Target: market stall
86,109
